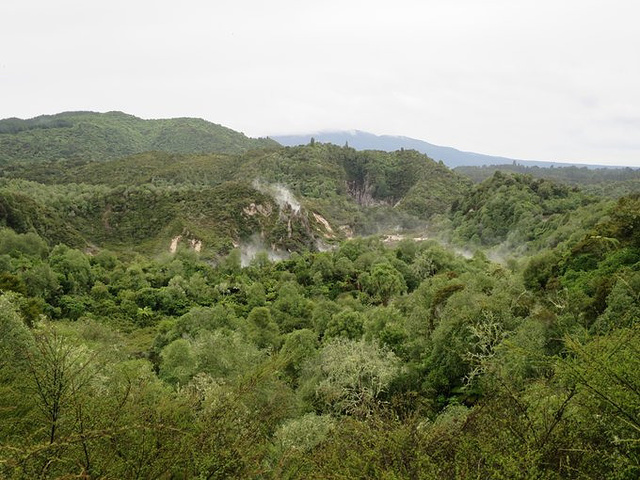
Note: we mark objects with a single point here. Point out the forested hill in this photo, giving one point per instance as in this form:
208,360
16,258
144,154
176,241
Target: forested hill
102,136
575,175
521,213
604,182
155,196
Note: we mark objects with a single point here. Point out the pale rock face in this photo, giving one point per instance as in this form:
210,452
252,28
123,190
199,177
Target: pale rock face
363,194
346,230
396,237
174,244
250,210
393,238
194,243
323,221
253,209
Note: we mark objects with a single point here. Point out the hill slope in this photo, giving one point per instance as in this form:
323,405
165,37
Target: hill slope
102,136
604,182
302,194
522,213
368,141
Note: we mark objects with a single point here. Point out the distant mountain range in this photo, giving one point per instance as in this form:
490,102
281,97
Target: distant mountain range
451,157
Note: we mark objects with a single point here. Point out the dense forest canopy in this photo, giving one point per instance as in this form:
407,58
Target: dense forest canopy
610,182
102,136
309,312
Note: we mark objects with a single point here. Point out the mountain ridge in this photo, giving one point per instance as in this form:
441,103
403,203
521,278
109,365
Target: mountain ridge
451,157
99,136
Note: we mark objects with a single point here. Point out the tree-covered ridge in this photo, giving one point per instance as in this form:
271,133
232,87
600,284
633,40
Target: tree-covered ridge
148,219
405,181
522,212
610,182
569,174
158,168
24,214
408,179
155,196
103,136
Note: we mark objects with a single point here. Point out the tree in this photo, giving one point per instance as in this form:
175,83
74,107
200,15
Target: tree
347,323
299,347
73,269
60,371
178,362
349,376
256,295
291,310
603,372
225,356
262,330
383,282
16,344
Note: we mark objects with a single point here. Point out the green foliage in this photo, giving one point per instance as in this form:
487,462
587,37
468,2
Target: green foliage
610,182
262,330
346,324
299,347
603,373
514,208
377,358
382,282
26,216
73,269
540,269
304,433
101,136
291,310
350,376
178,362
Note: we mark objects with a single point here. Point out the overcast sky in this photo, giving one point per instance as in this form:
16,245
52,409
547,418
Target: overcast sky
530,79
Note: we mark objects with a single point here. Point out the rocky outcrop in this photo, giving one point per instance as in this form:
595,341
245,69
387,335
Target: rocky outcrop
254,209
362,193
193,243
328,231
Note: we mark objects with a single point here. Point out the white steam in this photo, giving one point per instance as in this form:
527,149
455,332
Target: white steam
463,252
281,194
255,246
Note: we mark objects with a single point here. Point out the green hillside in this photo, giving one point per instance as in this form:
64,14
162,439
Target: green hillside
158,168
279,312
103,136
513,214
609,182
405,179
154,195
23,214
